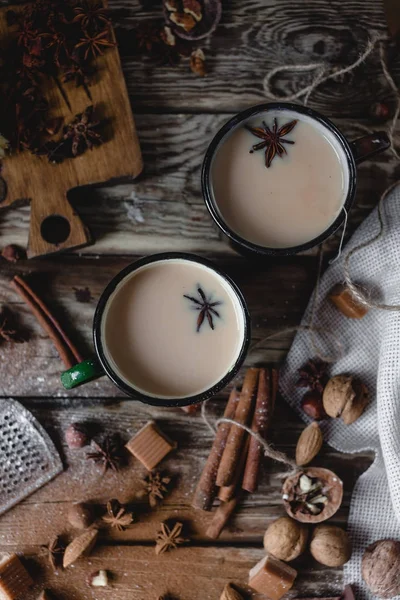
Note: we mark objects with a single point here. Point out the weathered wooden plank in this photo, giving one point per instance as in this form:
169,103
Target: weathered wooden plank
277,295
44,514
138,574
164,210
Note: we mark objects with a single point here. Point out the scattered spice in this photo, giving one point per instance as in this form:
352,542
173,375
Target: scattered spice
98,579
117,517
10,331
83,295
205,308
272,139
108,453
13,253
53,552
169,538
313,375
156,487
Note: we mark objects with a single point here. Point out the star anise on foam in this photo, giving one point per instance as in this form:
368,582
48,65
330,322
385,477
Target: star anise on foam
94,44
205,307
169,538
313,375
272,139
117,517
53,552
82,132
156,487
108,453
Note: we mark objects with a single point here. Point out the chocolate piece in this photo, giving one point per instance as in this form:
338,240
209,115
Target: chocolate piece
272,577
345,302
150,445
14,578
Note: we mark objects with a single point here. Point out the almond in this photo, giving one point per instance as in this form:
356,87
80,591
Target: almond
229,593
309,444
80,546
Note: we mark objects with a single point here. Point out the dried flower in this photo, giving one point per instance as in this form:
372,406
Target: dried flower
82,132
54,551
156,487
169,538
313,375
116,516
88,14
94,45
108,453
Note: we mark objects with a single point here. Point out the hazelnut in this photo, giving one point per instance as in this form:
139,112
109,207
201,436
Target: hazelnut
312,405
330,545
345,396
13,253
77,436
286,539
98,579
80,515
380,568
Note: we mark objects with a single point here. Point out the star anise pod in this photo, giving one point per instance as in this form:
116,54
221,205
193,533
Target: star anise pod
313,375
205,307
149,37
156,487
108,453
82,132
169,538
9,329
272,139
88,14
94,44
53,552
83,295
117,517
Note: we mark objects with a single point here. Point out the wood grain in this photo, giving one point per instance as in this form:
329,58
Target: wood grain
46,185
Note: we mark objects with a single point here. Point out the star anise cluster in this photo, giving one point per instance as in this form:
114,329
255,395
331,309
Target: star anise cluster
48,41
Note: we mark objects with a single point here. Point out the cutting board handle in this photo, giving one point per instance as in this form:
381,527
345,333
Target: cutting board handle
55,225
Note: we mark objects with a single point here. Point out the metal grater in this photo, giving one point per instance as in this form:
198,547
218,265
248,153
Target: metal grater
28,457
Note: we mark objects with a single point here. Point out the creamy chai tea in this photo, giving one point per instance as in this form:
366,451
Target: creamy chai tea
173,328
280,179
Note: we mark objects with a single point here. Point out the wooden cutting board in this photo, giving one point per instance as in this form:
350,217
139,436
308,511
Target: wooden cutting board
54,225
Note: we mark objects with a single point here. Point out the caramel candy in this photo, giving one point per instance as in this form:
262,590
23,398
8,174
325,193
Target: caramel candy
272,577
344,301
14,578
150,445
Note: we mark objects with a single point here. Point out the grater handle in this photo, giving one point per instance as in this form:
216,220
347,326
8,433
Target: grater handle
83,372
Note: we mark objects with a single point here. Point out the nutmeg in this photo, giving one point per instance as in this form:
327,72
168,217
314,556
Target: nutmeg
80,515
286,539
346,397
330,545
380,568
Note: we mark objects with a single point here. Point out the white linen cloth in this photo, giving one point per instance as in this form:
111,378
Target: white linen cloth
372,352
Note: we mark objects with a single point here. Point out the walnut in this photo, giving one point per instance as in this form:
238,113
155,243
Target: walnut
345,396
183,20
330,545
193,8
381,568
286,539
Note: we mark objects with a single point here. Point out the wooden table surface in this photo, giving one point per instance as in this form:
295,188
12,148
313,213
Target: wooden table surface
176,115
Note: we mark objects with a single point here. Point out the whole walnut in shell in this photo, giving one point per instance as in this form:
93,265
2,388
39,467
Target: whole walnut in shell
345,396
286,539
330,545
381,568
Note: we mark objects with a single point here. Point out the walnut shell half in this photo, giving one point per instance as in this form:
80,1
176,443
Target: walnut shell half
381,568
345,396
333,490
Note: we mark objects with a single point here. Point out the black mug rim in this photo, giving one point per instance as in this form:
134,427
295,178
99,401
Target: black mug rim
211,204
130,390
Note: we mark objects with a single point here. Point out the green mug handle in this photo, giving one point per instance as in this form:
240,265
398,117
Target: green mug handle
82,373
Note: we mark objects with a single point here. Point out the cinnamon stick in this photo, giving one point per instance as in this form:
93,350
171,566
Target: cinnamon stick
265,403
65,348
221,517
227,492
206,488
231,455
